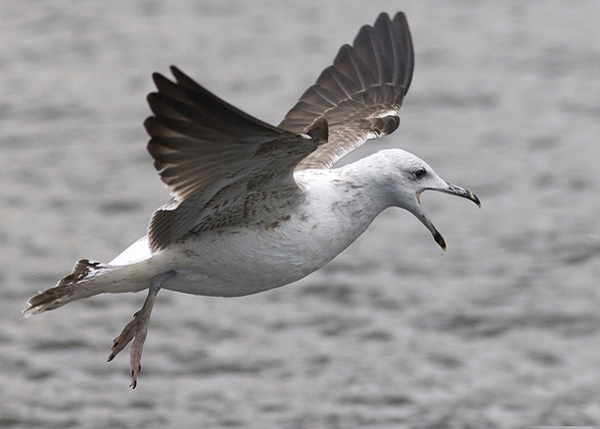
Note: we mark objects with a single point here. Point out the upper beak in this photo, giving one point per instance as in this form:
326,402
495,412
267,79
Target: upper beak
461,192
448,189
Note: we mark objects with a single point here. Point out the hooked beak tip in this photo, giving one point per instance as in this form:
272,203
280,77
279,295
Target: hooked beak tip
474,198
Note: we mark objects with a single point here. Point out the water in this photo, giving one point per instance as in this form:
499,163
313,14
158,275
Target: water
502,331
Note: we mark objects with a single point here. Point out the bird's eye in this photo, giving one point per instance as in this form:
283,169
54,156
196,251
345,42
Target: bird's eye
420,173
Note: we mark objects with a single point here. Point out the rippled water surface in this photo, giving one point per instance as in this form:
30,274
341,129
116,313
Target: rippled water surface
502,331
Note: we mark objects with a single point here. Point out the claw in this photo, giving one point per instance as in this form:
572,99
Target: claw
133,383
124,338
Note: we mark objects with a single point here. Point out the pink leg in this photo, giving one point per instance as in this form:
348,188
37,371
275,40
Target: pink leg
137,329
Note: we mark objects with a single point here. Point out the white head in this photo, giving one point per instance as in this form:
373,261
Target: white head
404,177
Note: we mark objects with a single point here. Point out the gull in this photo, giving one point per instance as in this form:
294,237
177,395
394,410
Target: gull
253,206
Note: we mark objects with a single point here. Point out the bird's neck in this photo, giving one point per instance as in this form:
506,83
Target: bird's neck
350,192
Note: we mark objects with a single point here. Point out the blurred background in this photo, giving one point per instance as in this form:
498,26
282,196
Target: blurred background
501,331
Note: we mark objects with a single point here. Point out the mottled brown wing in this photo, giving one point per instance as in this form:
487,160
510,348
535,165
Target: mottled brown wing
360,94
213,157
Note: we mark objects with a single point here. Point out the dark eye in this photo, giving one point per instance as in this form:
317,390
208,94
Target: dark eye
420,173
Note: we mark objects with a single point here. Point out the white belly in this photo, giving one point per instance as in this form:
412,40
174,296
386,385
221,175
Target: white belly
242,261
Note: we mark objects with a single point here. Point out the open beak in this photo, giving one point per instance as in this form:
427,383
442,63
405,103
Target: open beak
448,189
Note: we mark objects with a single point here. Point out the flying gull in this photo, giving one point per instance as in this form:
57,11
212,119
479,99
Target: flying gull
255,206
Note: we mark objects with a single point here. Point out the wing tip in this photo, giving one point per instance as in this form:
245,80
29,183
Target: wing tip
178,74
388,44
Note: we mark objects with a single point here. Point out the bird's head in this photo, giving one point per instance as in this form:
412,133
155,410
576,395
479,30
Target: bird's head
409,176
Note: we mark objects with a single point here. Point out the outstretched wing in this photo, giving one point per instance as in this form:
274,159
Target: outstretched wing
219,162
214,158
360,94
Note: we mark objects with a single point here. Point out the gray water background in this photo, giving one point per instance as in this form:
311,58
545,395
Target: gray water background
502,331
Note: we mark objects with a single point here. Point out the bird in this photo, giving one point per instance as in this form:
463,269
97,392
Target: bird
255,206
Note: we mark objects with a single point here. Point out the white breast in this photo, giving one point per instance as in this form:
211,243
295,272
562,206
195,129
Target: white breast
242,260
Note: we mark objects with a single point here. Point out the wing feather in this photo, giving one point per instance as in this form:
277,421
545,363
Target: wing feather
360,94
219,163
213,157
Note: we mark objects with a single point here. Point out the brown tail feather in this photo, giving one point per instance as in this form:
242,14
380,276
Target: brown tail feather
77,285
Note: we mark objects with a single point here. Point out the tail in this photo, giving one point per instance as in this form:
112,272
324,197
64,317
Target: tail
87,279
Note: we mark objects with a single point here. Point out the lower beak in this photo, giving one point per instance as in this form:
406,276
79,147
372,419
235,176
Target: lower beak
436,234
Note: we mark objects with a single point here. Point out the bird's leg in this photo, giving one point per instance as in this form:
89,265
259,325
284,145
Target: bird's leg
137,329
